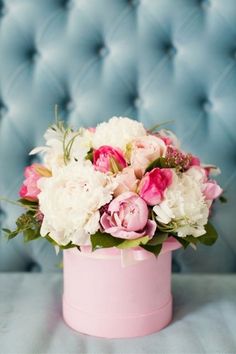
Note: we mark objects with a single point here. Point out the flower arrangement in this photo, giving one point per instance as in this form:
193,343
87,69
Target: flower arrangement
116,185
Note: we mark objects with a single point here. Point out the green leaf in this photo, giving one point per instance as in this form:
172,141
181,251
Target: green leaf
192,239
223,199
65,247
7,231
210,237
158,238
182,241
31,234
153,249
104,240
157,126
28,202
89,155
156,163
68,246
134,243
155,244
12,234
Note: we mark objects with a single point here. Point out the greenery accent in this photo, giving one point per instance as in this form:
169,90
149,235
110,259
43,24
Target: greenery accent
133,243
155,244
90,155
159,162
223,199
65,247
208,239
153,249
157,126
104,240
26,224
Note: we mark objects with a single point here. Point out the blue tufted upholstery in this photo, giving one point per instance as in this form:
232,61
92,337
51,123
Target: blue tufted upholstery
153,60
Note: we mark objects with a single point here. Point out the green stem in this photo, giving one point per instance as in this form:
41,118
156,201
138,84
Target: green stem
13,202
155,127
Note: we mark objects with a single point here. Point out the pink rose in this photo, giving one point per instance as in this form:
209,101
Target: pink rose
127,217
145,150
154,184
107,158
29,189
127,181
212,190
195,161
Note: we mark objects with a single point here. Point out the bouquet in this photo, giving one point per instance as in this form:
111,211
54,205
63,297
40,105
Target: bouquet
116,185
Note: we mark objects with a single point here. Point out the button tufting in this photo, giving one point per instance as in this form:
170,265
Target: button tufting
70,106
205,4
134,2
206,105
67,4
137,102
103,51
171,50
33,54
3,109
3,10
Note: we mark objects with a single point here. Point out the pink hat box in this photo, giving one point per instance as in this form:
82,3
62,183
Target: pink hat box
106,298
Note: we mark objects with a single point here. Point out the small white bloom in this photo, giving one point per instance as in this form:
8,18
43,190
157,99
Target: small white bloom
76,143
70,202
117,132
184,205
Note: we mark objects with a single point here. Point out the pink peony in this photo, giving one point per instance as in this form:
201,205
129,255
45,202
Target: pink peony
212,190
107,158
127,217
145,150
154,184
29,189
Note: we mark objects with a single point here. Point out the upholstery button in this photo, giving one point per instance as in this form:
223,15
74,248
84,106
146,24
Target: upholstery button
206,105
134,2
103,51
205,4
3,109
67,4
3,10
137,102
171,50
70,106
33,55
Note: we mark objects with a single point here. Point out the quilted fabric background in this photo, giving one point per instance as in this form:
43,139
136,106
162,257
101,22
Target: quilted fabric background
152,60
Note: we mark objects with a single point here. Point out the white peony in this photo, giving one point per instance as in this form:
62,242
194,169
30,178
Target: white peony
184,206
117,132
70,202
77,144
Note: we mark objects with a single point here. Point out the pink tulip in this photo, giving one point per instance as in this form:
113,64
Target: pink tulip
154,184
29,189
107,158
127,217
